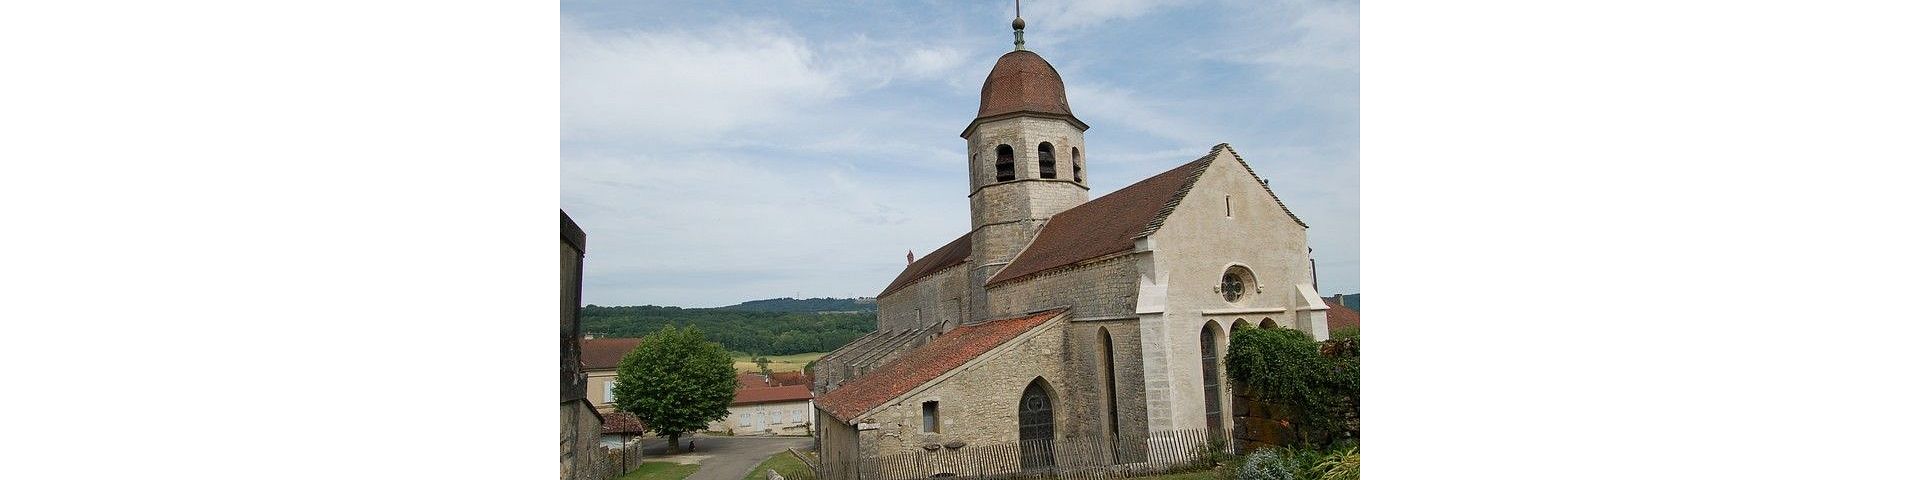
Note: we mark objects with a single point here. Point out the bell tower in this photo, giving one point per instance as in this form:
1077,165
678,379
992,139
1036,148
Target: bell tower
1026,160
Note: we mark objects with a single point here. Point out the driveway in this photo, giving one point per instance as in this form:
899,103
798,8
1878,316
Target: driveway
723,458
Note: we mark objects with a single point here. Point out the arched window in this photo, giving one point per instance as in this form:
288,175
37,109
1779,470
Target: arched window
1046,161
1240,324
1268,323
1210,376
1113,398
1036,426
1003,165
1076,165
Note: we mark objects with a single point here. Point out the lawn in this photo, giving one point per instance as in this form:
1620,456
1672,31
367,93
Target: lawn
1199,475
660,471
783,462
780,363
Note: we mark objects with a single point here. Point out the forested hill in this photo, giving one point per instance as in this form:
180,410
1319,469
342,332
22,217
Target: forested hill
806,305
741,330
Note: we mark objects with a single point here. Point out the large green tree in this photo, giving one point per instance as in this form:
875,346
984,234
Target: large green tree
675,382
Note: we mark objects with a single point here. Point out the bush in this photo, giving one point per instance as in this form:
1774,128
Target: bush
1300,464
1316,384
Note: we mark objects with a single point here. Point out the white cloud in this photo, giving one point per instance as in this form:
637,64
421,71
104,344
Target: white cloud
1072,14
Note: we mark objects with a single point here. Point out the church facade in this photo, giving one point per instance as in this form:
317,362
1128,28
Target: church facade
1059,319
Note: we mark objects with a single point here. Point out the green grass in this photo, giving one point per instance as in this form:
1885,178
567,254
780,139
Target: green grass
783,462
660,471
779,363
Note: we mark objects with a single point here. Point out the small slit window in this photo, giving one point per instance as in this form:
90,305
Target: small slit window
1046,161
930,417
1003,164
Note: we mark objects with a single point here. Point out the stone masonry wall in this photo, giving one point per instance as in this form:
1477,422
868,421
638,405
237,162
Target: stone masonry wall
935,299
978,405
1104,289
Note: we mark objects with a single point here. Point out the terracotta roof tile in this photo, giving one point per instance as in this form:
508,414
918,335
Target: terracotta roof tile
778,379
1340,317
953,253
1105,225
1021,81
788,393
622,422
605,353
921,365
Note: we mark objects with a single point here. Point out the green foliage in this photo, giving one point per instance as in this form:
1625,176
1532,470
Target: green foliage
660,471
1300,464
1317,385
675,382
765,333
805,305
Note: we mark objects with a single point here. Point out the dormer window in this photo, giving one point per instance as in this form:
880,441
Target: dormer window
1046,161
1003,164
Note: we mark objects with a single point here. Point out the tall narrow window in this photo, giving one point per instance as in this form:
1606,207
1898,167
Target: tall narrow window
1046,161
930,417
1113,397
1003,165
1210,377
1229,206
1076,166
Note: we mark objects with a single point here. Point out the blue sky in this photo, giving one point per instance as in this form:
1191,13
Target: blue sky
717,151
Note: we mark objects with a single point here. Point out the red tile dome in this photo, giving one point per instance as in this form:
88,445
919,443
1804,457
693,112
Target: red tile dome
1023,82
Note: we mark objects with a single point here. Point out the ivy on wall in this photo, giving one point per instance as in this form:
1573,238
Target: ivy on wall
1316,384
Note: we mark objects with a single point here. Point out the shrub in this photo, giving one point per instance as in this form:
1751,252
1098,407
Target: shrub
1316,384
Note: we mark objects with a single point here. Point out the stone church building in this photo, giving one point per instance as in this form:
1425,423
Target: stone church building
1062,319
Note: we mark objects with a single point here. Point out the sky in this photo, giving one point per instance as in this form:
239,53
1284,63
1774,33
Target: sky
721,151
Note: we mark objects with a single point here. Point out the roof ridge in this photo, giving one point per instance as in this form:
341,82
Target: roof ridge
1263,185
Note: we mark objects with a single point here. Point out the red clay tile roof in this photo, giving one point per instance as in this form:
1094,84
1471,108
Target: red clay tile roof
1023,82
788,393
918,366
605,353
953,253
622,422
1109,224
1105,225
1340,317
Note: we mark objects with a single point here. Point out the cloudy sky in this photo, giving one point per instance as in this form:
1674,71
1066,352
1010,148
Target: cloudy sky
721,151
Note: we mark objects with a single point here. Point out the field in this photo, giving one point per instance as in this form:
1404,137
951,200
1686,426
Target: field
780,363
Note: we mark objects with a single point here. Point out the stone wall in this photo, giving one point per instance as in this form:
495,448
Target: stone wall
932,300
977,404
839,448
579,441
1103,289
1257,425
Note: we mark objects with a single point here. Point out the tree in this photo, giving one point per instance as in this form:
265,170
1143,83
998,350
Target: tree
762,362
675,382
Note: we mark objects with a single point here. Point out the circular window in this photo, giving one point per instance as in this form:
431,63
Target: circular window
1234,284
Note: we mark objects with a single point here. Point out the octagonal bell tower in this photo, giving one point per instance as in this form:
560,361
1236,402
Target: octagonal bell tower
1026,161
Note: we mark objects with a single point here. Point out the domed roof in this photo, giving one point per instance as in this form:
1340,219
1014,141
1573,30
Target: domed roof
1023,82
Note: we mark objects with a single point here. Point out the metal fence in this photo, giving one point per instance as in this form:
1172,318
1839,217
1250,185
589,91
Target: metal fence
1100,457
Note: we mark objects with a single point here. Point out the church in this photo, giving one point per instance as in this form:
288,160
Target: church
1058,320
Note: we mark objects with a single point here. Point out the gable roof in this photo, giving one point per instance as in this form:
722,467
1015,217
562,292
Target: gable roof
778,379
953,253
1109,224
605,353
918,366
786,393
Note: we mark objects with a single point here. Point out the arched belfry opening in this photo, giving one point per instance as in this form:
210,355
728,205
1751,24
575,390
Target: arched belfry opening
1036,426
1046,161
1210,343
1003,163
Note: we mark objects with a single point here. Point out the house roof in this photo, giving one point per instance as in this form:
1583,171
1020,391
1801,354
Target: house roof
622,422
1110,224
953,253
785,393
921,365
778,379
1340,317
605,353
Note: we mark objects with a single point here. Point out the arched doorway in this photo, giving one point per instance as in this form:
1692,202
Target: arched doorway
1036,427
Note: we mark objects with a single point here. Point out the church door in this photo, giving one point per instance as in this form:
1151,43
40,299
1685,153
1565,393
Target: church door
1036,428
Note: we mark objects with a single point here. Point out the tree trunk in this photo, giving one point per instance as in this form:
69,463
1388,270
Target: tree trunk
673,443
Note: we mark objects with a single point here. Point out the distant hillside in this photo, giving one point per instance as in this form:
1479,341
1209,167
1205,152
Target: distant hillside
740,330
806,305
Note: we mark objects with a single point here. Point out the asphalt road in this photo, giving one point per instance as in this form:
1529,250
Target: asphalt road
723,458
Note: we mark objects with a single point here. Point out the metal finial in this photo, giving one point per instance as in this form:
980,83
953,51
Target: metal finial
1019,28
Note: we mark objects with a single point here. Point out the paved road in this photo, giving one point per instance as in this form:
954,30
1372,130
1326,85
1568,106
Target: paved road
724,458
